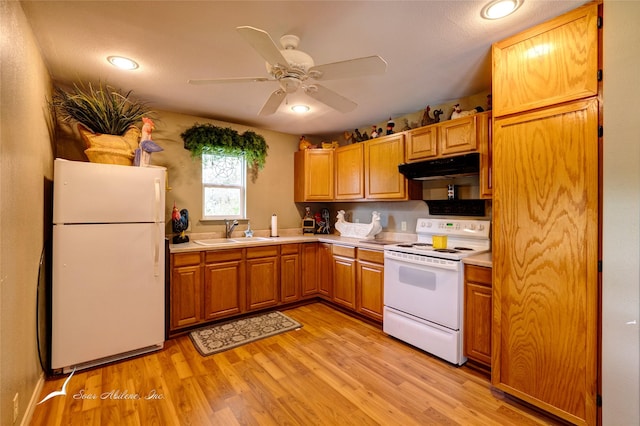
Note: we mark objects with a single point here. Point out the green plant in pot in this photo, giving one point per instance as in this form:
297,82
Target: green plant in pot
106,120
209,139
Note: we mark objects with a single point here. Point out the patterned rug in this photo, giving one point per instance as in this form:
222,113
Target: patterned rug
220,337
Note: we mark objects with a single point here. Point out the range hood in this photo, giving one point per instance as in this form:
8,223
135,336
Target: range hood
442,168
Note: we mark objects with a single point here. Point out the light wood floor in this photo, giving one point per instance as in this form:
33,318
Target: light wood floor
335,370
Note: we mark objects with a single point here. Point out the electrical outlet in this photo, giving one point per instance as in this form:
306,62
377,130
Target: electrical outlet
403,226
16,408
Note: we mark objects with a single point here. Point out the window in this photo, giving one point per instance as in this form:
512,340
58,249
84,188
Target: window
223,186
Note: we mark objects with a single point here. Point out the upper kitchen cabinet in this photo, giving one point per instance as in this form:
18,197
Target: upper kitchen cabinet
459,135
422,143
349,167
548,64
382,180
313,172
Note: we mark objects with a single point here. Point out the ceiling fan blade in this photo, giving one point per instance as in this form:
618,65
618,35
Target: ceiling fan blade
229,80
369,65
330,98
262,42
274,101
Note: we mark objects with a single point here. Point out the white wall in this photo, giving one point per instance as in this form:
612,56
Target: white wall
26,173
621,214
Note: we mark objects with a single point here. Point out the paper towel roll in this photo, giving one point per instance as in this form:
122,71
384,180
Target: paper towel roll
274,225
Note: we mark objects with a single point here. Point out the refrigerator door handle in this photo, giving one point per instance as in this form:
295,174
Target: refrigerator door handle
156,183
156,252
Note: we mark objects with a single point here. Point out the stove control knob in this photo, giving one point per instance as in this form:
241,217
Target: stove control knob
480,227
472,227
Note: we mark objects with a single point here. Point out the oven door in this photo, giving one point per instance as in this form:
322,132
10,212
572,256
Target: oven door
431,292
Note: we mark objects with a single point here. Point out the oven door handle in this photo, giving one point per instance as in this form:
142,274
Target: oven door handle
421,260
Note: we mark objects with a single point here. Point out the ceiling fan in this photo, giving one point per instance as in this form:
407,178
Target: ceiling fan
294,68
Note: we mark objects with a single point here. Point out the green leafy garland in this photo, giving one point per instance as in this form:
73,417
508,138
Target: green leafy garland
209,139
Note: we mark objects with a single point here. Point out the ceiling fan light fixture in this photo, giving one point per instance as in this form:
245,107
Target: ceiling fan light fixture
300,109
497,9
122,62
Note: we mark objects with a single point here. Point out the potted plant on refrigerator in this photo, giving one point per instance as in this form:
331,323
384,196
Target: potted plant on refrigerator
106,120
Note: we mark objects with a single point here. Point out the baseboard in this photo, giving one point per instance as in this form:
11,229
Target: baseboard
33,401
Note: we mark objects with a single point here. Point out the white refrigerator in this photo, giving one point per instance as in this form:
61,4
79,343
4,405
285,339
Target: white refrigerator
108,293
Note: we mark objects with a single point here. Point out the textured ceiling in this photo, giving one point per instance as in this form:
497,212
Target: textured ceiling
437,51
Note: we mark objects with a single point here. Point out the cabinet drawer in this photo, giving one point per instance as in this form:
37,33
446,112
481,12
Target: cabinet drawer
184,259
289,248
265,251
223,255
375,256
477,274
345,251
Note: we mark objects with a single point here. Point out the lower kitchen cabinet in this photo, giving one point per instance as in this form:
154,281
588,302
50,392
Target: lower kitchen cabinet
263,279
186,288
477,314
223,283
344,276
290,272
370,283
325,270
310,269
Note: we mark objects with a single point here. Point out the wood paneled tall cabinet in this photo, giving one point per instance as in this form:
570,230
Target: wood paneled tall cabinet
545,215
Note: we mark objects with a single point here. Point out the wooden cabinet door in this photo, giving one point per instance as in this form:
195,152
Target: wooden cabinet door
485,148
290,272
457,136
310,269
344,275
344,281
349,170
545,251
222,289
185,290
313,175
381,159
370,283
422,143
263,283
325,270
186,296
477,314
548,64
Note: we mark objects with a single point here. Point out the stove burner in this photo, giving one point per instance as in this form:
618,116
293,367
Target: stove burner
404,245
463,248
422,245
446,250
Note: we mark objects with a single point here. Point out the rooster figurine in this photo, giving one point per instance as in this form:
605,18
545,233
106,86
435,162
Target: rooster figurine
179,223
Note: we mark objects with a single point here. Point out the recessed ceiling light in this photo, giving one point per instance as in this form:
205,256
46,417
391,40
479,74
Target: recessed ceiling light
122,62
300,108
500,8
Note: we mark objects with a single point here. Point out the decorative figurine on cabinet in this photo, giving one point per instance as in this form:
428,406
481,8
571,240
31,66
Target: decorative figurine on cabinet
457,112
390,125
426,118
142,154
180,223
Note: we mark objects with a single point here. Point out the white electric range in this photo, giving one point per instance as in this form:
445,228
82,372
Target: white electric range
423,291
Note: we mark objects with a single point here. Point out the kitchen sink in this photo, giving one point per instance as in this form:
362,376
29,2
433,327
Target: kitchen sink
227,241
215,241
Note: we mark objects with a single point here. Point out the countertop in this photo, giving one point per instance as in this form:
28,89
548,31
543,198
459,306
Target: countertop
248,242
482,259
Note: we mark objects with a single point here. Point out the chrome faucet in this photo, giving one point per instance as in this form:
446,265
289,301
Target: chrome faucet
230,226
